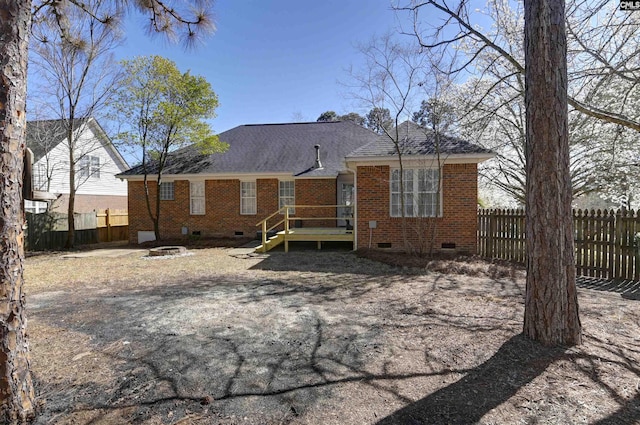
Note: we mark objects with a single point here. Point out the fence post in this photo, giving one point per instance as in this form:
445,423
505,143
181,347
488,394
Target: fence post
611,244
491,235
108,222
636,249
618,247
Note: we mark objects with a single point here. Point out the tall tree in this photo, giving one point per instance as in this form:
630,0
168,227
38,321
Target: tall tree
388,84
162,110
16,388
551,303
379,120
437,114
602,85
492,112
17,398
77,75
332,116
327,116
603,45
353,117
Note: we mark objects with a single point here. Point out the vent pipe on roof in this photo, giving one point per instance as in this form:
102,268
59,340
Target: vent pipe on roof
318,164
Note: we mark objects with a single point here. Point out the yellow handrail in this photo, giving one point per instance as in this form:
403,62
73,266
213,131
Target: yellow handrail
316,218
287,218
316,206
275,225
272,215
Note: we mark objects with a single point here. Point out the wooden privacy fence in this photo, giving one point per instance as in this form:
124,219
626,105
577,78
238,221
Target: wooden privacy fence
607,242
49,230
112,225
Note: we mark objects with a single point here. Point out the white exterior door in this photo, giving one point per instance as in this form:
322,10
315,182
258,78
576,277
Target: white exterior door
346,196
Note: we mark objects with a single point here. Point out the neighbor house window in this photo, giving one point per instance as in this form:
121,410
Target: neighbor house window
40,178
166,191
89,166
35,207
287,194
420,192
196,196
248,198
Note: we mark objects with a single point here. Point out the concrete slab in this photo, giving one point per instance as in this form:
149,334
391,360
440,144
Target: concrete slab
107,253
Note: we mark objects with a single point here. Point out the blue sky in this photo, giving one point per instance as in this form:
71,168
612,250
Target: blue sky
271,60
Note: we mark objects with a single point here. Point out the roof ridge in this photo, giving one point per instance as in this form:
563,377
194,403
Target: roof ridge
293,123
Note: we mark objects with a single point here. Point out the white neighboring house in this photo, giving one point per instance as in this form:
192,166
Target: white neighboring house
97,163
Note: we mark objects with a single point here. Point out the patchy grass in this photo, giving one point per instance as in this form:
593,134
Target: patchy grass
314,338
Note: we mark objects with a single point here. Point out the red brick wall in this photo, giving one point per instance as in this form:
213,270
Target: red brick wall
458,223
316,192
222,200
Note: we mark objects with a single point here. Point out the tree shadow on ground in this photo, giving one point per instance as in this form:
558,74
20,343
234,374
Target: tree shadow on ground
333,261
274,348
516,363
628,289
277,346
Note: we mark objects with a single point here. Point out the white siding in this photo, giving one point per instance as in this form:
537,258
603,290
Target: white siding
88,144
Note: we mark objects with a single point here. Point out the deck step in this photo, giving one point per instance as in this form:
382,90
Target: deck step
271,243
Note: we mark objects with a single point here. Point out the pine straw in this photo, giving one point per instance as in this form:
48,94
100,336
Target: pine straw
447,264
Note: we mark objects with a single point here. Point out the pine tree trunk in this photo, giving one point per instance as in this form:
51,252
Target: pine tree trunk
551,306
16,388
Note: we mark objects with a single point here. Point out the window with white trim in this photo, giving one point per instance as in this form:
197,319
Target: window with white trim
420,192
166,191
196,198
248,198
287,194
40,177
35,207
89,166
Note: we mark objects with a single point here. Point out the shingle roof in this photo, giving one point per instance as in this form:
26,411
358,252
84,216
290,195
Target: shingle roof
44,135
273,148
417,140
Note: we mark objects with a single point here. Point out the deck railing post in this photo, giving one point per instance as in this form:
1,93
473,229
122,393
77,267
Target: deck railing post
286,220
264,235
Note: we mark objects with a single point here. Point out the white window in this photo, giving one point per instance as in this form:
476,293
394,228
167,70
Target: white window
89,166
196,196
166,191
248,198
40,177
35,207
420,192
287,194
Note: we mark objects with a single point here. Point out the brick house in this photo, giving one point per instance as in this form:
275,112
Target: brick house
338,175
441,191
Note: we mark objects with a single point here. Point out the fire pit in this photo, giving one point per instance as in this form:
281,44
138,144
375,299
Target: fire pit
167,250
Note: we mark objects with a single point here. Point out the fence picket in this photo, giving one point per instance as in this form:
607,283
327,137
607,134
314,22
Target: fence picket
48,230
604,239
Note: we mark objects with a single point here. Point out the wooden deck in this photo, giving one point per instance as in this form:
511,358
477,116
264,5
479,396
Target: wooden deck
306,234
309,234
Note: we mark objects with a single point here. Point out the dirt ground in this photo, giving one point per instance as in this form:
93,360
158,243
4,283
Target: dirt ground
316,338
